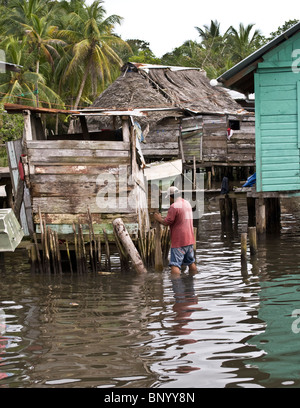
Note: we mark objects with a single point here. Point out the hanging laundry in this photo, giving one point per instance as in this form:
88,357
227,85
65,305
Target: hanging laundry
250,181
229,133
138,131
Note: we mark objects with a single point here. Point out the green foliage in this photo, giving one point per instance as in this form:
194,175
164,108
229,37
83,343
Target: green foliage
282,29
11,128
67,50
69,53
217,52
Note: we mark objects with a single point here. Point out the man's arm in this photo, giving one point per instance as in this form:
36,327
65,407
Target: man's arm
160,219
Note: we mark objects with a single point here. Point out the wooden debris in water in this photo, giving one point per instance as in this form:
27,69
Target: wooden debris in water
87,252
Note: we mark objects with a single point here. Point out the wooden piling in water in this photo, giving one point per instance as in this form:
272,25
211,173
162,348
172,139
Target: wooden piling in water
260,215
129,246
244,245
252,240
151,247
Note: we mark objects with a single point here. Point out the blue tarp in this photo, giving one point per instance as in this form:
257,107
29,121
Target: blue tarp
250,181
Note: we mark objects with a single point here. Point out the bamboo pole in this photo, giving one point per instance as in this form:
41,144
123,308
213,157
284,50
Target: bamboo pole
41,226
58,254
52,250
99,252
107,252
82,248
91,251
76,248
46,250
69,257
93,246
38,255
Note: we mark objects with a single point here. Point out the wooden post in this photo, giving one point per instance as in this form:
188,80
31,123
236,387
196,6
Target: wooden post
235,210
228,207
251,211
125,129
158,252
252,240
222,209
260,215
244,245
273,214
129,245
209,180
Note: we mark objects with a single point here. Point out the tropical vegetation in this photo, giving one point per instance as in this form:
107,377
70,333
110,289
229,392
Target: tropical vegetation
68,52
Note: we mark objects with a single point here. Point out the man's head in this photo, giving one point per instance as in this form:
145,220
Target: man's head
172,193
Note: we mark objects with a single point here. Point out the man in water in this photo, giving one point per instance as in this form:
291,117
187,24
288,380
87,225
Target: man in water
180,221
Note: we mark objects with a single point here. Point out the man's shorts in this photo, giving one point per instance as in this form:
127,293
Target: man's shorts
182,256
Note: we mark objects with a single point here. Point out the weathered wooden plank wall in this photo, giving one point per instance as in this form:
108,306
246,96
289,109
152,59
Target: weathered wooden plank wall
205,138
68,177
162,140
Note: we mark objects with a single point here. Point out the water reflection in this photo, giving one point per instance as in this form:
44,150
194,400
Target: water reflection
230,325
279,297
184,307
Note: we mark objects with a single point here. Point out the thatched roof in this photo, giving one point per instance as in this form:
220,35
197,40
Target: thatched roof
150,86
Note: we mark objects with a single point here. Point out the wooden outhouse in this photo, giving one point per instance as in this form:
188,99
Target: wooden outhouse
59,179
273,73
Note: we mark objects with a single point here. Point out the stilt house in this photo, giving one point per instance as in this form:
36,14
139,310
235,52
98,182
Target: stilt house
186,117
273,73
60,179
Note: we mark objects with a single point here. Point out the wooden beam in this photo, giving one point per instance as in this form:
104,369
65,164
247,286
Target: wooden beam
84,127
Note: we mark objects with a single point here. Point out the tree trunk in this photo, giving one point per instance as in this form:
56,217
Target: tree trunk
85,75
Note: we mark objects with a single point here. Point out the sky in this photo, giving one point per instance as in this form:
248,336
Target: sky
167,24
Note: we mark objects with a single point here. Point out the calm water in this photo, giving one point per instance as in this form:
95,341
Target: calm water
224,327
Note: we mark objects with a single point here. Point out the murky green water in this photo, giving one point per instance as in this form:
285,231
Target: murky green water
224,327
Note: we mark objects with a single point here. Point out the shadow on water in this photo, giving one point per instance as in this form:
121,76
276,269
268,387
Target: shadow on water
232,324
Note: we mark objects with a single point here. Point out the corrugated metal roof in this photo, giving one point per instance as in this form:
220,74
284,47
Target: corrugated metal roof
15,108
147,67
9,66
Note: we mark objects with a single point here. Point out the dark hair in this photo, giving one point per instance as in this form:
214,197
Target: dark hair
175,195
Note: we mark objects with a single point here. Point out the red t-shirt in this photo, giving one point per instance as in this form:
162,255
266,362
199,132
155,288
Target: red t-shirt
180,220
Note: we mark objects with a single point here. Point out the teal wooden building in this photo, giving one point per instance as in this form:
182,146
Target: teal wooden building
273,74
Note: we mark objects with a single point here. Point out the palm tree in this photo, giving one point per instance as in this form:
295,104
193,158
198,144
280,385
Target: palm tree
41,39
210,32
243,41
21,87
21,12
91,39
